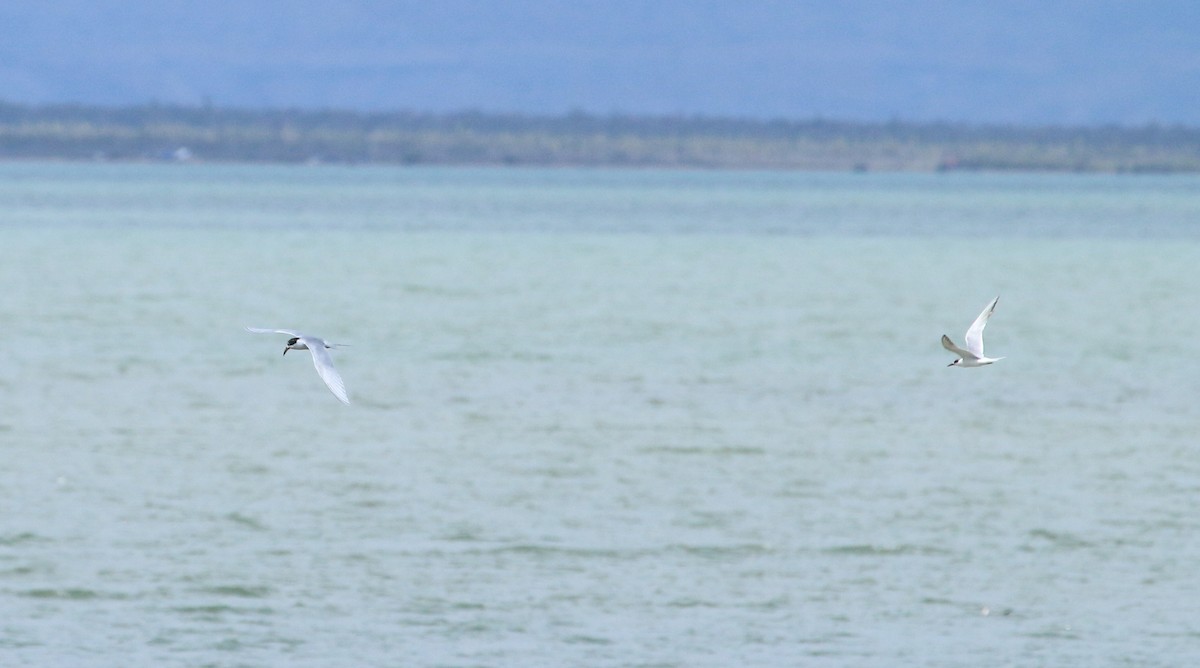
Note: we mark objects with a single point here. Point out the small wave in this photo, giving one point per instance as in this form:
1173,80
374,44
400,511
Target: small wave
969,608
691,603
22,538
463,533
440,606
72,594
242,591
722,551
248,522
558,472
1058,632
587,640
1060,538
697,450
548,550
218,610
631,553
891,551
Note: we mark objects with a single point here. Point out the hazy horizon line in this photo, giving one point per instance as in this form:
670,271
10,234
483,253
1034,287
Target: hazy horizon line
583,114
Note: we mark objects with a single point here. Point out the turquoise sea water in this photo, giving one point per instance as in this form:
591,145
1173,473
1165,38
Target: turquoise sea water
601,418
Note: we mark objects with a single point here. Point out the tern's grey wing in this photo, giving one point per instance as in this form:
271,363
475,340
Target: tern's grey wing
949,345
289,332
975,333
324,364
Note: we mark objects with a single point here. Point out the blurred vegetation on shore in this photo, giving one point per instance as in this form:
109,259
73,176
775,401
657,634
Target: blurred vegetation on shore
157,132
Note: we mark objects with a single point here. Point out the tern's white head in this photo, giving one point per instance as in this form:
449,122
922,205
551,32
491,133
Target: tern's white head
294,343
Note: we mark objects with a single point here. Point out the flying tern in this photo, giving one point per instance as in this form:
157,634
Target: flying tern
973,354
320,353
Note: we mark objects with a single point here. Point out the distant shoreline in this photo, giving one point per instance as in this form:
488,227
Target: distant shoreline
155,133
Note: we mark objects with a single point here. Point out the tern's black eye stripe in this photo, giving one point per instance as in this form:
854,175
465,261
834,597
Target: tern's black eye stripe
292,341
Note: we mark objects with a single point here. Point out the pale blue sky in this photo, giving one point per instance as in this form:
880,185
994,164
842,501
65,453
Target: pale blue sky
1066,62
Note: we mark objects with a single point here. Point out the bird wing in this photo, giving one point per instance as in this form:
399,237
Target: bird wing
949,345
289,332
324,364
975,333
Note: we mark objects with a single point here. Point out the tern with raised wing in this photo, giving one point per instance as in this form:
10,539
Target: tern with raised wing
320,354
973,354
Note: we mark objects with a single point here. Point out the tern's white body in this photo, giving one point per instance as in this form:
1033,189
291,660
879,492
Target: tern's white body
320,354
973,355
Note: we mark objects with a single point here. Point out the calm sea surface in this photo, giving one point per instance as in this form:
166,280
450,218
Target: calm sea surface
600,418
